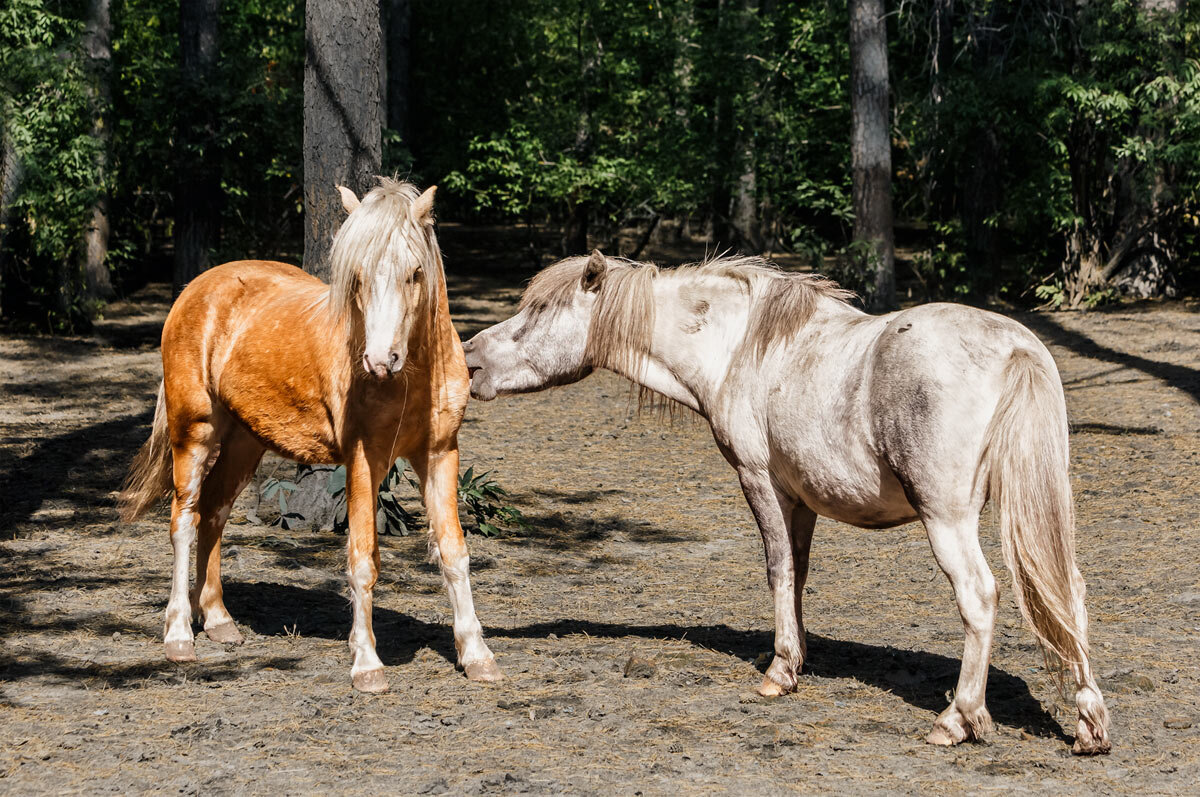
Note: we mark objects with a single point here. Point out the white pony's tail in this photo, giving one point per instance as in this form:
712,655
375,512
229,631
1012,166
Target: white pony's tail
150,478
1026,457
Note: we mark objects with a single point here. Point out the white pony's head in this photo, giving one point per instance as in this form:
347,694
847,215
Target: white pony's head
385,268
546,342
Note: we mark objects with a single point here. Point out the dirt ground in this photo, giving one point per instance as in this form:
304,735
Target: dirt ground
640,546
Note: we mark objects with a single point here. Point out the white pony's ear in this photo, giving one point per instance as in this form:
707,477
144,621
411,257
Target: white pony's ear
349,200
422,207
593,275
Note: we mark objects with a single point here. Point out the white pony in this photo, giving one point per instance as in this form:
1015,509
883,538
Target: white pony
825,410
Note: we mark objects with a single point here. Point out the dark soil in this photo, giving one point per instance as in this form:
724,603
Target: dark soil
632,619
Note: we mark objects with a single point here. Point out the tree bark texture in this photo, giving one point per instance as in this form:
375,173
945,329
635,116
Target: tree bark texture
871,153
342,116
10,180
397,27
198,192
97,48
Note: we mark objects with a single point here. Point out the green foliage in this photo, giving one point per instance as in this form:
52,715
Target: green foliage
485,501
280,489
45,115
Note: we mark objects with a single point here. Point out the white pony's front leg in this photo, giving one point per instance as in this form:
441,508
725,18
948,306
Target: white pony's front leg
773,512
189,467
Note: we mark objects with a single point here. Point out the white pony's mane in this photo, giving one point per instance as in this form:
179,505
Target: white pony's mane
382,234
781,302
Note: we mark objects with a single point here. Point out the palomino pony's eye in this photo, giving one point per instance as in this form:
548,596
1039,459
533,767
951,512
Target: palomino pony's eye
416,276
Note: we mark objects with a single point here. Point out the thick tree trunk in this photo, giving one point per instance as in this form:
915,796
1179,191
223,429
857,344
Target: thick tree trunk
97,48
871,151
198,192
579,207
981,189
397,26
342,116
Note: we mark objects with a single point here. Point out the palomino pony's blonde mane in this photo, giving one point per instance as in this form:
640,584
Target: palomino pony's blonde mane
382,234
623,319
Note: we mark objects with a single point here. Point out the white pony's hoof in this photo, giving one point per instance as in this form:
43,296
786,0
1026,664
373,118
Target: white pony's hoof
372,682
180,651
485,670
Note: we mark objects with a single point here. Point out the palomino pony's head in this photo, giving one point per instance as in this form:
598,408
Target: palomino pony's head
385,270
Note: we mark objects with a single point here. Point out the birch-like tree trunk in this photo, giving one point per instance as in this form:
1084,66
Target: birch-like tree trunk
97,49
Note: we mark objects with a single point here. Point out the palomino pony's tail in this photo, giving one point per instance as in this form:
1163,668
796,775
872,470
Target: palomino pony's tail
150,478
1026,459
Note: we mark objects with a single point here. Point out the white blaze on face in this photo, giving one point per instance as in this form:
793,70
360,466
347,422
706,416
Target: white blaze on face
382,316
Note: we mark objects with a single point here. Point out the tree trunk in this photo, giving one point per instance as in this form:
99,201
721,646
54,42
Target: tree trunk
981,190
198,192
97,48
579,207
10,181
342,116
397,24
871,152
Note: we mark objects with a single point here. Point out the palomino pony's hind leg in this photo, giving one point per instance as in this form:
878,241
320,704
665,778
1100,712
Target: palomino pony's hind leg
955,545
774,516
439,481
194,446
240,454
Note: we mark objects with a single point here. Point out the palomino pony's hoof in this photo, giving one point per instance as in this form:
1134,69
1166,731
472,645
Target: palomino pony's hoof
485,670
942,737
772,688
180,651
371,682
226,634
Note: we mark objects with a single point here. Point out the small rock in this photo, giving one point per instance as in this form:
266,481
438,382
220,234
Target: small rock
639,668
1177,723
116,635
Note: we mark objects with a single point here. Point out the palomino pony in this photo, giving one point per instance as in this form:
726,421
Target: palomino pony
260,355
825,410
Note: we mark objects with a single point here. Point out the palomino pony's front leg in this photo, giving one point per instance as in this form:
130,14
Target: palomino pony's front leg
774,514
439,482
362,569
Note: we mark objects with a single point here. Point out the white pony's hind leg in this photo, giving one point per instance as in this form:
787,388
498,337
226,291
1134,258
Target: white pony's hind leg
956,547
774,515
804,520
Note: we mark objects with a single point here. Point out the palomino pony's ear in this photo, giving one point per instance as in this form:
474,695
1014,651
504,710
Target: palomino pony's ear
422,207
349,200
593,275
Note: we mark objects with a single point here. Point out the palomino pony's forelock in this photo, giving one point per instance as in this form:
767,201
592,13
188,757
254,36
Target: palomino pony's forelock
623,318
381,234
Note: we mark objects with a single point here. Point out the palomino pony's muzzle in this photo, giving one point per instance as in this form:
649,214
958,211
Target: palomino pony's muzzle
383,367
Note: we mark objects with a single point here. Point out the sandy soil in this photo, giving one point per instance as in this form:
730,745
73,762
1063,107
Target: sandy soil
640,546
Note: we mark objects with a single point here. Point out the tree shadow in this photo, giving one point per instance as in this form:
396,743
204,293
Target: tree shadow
102,451
271,609
920,679
1177,376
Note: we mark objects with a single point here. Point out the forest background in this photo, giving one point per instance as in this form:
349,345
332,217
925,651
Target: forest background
1041,151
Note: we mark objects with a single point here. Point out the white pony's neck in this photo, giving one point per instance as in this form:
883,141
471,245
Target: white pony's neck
690,351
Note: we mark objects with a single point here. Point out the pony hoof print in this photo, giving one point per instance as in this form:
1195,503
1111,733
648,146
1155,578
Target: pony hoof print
180,651
226,634
486,671
372,682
